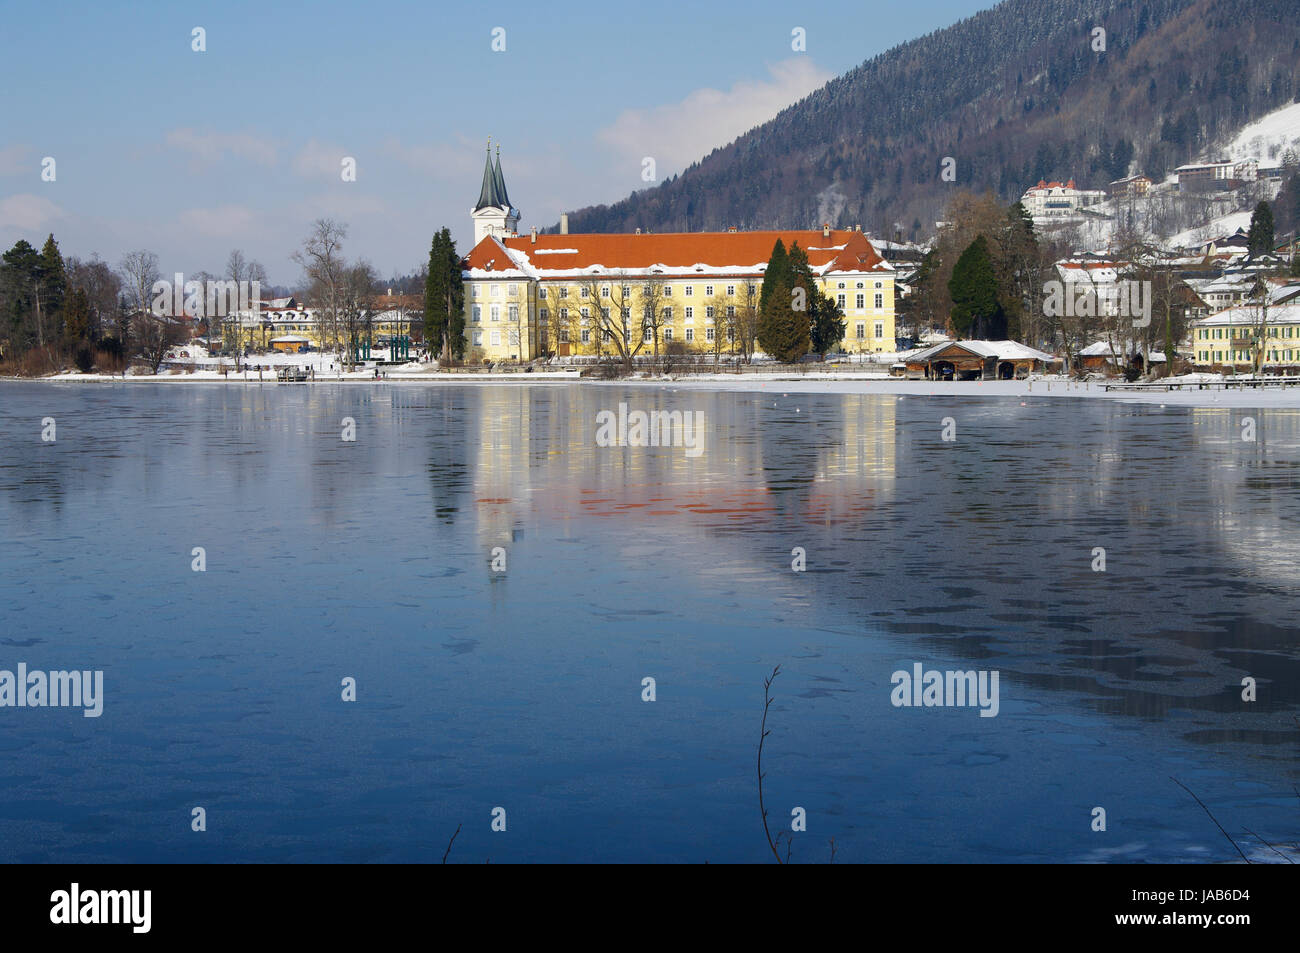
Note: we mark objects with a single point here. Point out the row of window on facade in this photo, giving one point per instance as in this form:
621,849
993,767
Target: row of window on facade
667,291
494,311
1274,331
1243,355
666,315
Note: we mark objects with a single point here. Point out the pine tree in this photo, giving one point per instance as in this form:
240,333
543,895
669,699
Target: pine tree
826,323
455,296
776,324
1260,238
778,270
76,312
51,287
974,291
435,292
444,299
803,297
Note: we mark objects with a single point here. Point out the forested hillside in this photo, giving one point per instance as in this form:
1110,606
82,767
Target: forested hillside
1014,94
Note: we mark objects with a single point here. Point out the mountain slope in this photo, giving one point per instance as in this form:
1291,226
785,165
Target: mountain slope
1013,94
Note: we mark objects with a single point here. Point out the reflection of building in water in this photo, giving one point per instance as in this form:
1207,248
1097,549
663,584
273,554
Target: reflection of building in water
536,454
1252,486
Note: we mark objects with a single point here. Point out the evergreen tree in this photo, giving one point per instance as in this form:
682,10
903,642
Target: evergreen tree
19,277
803,301
444,299
783,331
974,290
455,296
54,279
435,293
76,323
1260,237
825,322
778,270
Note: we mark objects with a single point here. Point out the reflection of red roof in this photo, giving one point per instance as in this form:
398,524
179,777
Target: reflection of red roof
679,253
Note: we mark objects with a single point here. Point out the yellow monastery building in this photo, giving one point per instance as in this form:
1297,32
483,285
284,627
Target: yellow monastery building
534,296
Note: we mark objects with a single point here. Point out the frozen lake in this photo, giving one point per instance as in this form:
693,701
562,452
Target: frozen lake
372,559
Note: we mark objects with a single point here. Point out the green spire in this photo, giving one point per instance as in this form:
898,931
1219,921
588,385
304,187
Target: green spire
501,181
493,193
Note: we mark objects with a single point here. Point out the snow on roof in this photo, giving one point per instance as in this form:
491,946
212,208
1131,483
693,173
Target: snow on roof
673,254
1002,350
1103,349
1252,314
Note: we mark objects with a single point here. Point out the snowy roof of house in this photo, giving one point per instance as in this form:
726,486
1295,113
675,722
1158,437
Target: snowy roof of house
1002,350
1097,273
1103,349
676,254
1251,314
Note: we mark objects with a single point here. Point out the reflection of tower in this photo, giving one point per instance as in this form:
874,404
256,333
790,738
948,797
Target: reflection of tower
501,458
494,215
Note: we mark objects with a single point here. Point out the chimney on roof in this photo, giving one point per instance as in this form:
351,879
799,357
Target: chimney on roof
564,223
534,238
826,229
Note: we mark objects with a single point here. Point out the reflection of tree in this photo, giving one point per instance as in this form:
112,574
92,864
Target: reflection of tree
449,471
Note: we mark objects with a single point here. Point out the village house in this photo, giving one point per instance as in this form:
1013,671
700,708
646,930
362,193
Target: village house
1134,186
1252,333
1056,200
1216,176
978,360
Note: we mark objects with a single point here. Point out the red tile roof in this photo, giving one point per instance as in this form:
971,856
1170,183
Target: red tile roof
844,250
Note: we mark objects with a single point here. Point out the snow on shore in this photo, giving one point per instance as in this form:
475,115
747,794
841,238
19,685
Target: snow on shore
812,383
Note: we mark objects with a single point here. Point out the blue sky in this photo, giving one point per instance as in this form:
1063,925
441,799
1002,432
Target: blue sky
191,154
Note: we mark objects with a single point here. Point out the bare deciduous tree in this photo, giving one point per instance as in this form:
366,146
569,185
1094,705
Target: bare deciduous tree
322,262
139,271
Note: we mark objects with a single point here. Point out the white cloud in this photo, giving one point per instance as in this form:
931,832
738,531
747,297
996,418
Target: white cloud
677,134
343,204
28,212
225,221
14,161
210,146
321,160
456,161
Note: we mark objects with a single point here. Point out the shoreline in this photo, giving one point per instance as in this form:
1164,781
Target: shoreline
756,382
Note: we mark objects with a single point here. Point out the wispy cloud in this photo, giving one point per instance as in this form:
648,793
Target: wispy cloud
225,221
15,160
323,160
28,212
454,161
342,204
677,134
209,146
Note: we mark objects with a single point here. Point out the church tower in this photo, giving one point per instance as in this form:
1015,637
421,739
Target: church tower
493,215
